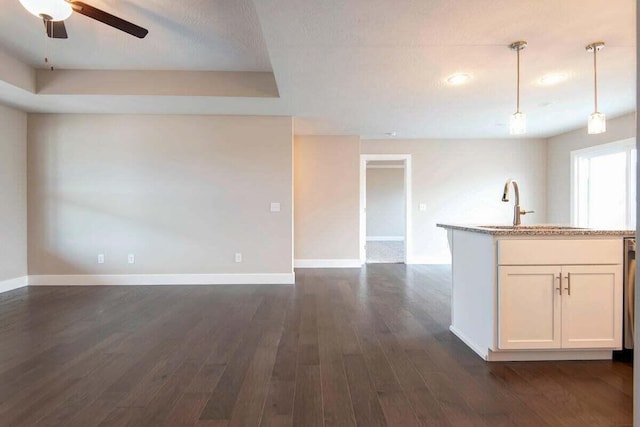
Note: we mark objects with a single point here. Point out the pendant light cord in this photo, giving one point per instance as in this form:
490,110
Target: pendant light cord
595,77
518,84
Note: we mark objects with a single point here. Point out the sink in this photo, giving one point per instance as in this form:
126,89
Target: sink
531,227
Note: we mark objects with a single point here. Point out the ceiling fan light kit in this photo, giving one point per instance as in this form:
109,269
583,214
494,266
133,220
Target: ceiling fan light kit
50,10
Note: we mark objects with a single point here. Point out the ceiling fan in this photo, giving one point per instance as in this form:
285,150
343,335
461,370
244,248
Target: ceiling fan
54,12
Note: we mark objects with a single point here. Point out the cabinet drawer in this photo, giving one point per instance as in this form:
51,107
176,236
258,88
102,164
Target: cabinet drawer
555,252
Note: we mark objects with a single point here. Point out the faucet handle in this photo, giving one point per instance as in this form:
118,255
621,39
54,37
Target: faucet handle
523,212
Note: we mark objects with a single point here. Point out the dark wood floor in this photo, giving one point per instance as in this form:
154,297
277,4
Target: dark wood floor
342,347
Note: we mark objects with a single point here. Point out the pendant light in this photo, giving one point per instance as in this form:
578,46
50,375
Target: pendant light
597,121
518,120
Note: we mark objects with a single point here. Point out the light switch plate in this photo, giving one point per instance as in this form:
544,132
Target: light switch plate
423,207
275,207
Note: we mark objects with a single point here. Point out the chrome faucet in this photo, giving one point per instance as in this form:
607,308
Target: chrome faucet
517,212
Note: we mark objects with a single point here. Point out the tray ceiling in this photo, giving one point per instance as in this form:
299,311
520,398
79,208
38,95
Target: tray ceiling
362,67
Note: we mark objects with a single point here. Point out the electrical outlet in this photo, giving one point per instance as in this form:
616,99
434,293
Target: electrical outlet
100,258
275,207
423,207
238,257
131,259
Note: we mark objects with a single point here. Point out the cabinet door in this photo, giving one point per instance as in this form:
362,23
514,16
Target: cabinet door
592,306
529,307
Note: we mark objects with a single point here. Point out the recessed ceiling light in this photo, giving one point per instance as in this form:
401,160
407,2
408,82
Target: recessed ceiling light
552,79
392,134
458,79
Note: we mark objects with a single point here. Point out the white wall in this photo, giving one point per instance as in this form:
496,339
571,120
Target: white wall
461,181
327,199
16,73
385,202
13,194
559,162
182,193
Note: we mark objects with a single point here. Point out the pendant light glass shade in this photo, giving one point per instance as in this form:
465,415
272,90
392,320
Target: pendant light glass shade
597,121
518,123
518,120
56,10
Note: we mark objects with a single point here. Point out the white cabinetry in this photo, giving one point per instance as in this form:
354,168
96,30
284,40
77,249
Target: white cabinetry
592,306
529,308
527,294
554,307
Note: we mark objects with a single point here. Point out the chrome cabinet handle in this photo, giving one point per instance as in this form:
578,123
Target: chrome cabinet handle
568,288
559,288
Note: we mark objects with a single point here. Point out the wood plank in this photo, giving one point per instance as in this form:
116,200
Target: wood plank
308,340
341,347
225,395
574,410
366,407
336,400
307,406
397,409
186,411
427,408
446,392
255,388
278,408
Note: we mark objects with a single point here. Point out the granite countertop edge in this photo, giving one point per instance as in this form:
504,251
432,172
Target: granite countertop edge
516,231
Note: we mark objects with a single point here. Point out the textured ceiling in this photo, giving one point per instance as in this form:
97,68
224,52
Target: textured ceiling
221,35
370,67
362,67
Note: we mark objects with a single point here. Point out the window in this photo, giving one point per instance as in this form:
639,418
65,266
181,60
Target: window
603,187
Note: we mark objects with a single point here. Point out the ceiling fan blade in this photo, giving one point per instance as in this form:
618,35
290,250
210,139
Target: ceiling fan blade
55,29
109,19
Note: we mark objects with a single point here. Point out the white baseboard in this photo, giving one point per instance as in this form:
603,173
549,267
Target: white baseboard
161,279
531,355
327,263
528,356
385,238
482,352
11,284
428,260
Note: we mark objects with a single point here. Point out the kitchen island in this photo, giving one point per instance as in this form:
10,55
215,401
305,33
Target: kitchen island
537,292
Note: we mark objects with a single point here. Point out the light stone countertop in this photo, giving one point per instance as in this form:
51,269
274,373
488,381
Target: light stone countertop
537,230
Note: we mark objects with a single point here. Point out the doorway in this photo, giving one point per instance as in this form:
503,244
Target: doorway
385,214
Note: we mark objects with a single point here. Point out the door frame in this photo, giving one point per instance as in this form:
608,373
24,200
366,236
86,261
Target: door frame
408,226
